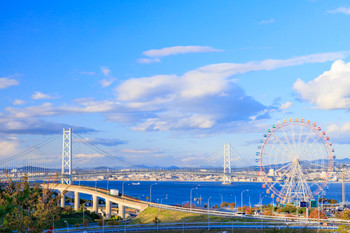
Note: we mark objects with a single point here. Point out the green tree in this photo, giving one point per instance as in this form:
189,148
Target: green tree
26,209
332,201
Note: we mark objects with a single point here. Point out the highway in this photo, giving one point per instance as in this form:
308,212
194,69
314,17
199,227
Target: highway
187,226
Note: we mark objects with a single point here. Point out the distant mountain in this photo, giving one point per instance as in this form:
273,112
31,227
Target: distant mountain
343,161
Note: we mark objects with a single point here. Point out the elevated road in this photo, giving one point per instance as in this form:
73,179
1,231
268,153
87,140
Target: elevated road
97,193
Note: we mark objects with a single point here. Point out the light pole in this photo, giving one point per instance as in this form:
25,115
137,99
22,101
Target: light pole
83,213
166,198
123,188
107,187
67,224
261,209
95,184
235,202
183,226
103,222
157,212
250,205
191,198
222,198
208,212
242,198
150,192
260,201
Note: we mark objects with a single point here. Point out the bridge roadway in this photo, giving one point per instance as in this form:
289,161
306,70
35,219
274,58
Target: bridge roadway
122,201
127,201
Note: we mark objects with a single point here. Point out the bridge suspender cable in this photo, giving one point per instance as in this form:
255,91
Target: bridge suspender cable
29,150
99,150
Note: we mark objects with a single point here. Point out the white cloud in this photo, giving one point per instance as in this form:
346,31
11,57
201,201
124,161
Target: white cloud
331,90
18,102
342,10
106,71
9,146
285,106
107,82
178,50
6,82
148,60
135,151
39,95
339,133
205,99
87,72
102,141
267,21
88,156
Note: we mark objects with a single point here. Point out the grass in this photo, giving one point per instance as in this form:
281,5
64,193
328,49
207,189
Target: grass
170,216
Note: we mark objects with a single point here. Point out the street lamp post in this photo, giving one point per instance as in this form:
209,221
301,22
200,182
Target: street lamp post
123,188
208,212
191,198
150,192
157,212
83,213
107,186
222,198
67,225
260,201
166,197
261,209
242,198
95,184
235,202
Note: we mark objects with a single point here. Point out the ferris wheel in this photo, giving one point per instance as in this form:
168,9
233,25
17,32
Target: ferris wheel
295,160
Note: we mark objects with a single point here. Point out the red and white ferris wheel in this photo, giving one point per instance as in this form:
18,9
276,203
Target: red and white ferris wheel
295,159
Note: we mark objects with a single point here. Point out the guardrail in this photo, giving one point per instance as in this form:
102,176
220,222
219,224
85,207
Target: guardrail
193,225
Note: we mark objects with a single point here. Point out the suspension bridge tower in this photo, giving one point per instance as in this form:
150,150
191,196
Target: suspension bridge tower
66,173
227,164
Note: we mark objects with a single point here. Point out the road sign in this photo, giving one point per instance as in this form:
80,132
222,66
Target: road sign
313,204
303,204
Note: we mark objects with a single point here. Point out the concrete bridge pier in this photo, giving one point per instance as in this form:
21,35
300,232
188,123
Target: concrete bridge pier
95,203
108,209
76,200
121,210
63,200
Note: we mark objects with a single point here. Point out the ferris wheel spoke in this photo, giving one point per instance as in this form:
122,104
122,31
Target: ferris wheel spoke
281,153
314,152
306,140
312,144
287,139
293,138
300,135
282,144
283,174
316,165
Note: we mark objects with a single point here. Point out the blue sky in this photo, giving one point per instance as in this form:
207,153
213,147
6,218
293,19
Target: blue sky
169,82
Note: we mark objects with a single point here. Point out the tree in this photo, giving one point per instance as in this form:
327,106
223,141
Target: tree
25,209
224,204
323,200
232,205
315,214
156,220
332,201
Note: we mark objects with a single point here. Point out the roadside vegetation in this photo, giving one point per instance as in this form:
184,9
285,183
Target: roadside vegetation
33,209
